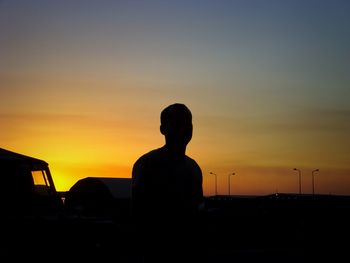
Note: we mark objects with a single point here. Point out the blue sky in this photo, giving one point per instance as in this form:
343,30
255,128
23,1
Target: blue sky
268,81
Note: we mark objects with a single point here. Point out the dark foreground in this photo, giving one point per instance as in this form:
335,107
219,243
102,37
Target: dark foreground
270,229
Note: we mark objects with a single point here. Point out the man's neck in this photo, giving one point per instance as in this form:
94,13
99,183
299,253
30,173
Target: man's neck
177,150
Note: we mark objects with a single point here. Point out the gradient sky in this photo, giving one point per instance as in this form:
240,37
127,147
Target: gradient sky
82,84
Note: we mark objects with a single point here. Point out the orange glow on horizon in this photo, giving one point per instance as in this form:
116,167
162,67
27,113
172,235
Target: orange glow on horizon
74,153
82,145
246,181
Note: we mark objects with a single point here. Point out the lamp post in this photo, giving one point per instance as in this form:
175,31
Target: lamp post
295,169
229,183
313,181
216,184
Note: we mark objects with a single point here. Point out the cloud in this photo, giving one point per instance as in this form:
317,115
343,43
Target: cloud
302,121
316,120
320,120
85,120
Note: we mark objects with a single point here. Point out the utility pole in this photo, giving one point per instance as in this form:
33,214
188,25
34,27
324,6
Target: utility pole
313,181
229,183
216,183
295,169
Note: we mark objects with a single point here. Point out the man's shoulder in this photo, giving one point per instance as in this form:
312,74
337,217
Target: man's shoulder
144,162
190,160
149,156
193,163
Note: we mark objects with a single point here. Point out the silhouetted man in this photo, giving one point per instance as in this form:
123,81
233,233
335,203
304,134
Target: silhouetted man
167,184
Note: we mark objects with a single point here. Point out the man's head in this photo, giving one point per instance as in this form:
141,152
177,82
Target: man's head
176,124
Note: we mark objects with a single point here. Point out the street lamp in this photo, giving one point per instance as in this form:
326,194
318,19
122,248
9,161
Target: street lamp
313,181
216,184
229,183
295,169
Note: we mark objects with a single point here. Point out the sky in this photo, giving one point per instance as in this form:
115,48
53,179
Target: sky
82,85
